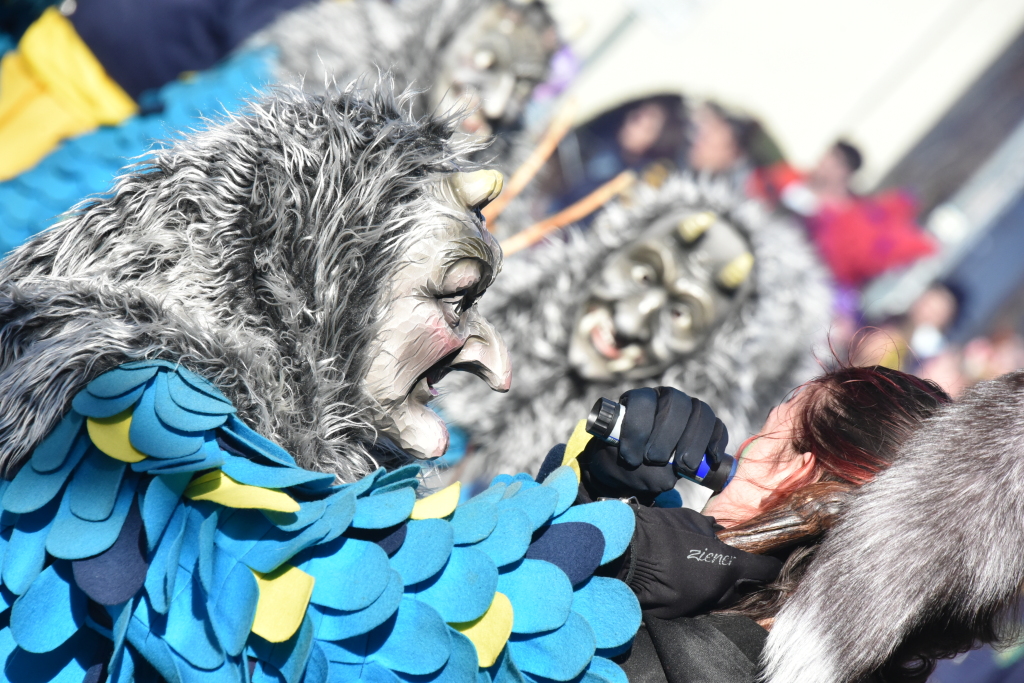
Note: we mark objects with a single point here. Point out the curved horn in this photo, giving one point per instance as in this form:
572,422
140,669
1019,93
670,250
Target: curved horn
477,189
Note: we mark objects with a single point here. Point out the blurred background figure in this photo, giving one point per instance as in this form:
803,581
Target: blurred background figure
930,318
859,236
719,140
646,136
728,144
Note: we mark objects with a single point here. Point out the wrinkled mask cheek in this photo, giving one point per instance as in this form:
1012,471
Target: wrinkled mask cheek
387,367
420,343
404,352
418,430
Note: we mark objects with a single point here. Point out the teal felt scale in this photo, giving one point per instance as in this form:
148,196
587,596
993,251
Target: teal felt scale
153,535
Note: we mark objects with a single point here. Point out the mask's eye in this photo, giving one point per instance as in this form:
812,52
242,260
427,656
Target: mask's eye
455,306
484,59
682,318
643,274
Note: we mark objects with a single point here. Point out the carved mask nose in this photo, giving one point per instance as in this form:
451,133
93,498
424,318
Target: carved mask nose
477,189
632,315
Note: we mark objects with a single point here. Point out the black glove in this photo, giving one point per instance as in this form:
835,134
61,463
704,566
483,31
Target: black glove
678,567
658,422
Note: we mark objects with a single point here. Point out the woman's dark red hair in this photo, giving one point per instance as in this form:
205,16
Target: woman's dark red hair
853,419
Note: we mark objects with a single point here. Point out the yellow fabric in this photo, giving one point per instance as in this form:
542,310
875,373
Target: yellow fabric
284,596
32,122
576,468
62,61
439,504
577,442
110,435
51,88
490,632
218,487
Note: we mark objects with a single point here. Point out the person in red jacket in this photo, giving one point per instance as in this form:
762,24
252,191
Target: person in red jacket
859,237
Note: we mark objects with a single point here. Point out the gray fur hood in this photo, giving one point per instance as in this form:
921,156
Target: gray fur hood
252,252
747,365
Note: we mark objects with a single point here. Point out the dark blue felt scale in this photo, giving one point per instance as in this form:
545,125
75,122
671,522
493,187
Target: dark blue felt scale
129,567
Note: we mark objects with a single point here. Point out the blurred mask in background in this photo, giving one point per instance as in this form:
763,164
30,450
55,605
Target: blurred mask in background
678,285
493,64
659,298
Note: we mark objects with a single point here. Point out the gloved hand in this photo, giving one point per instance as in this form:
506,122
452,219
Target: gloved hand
657,423
677,566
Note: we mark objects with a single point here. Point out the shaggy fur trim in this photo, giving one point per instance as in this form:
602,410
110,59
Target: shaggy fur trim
252,252
746,366
926,558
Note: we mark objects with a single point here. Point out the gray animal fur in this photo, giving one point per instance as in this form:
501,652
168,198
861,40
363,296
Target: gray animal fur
252,252
933,546
746,366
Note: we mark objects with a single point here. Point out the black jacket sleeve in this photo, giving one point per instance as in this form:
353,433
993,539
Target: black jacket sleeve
678,567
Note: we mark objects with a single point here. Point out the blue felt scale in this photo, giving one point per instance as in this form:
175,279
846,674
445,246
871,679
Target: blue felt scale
189,561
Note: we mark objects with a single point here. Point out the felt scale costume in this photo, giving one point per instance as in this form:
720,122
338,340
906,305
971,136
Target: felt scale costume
154,530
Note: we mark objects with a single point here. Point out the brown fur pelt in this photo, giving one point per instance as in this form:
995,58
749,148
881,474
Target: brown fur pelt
803,517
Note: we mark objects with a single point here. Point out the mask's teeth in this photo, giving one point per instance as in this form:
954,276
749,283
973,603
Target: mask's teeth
630,359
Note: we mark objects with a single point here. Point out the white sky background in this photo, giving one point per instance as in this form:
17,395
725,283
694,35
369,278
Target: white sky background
879,72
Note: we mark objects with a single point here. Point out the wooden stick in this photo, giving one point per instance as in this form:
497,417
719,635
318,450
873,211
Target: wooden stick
578,211
560,126
806,515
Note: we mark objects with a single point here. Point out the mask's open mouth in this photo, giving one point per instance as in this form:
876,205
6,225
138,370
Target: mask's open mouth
436,372
599,329
602,337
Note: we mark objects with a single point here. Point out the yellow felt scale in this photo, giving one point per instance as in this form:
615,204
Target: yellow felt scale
490,632
284,597
110,435
218,487
577,442
439,504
